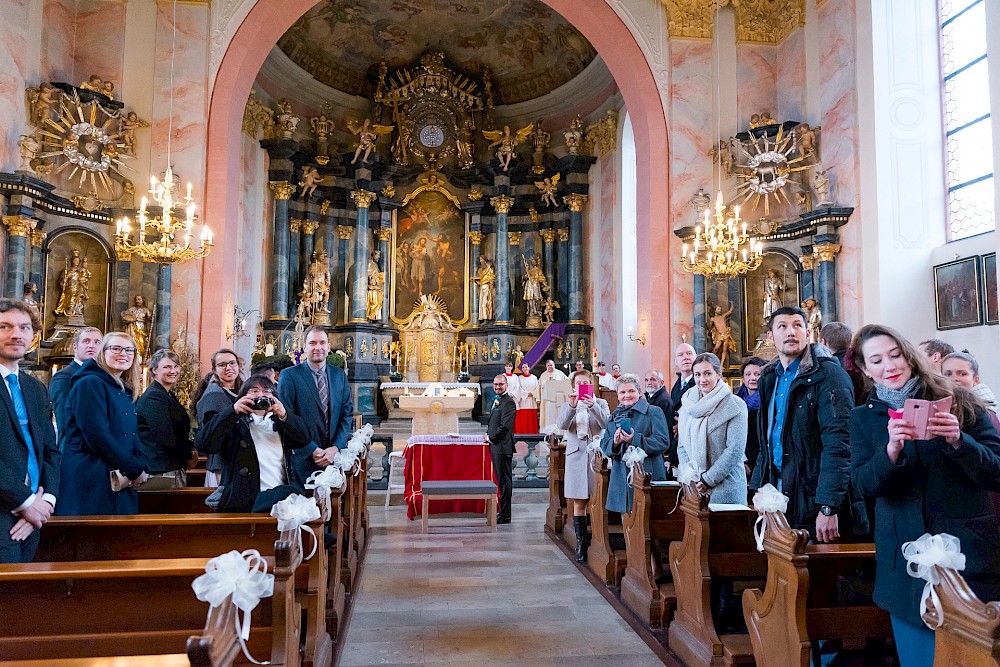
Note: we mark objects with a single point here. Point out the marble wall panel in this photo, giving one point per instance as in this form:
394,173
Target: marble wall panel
13,69
608,263
756,83
791,77
254,239
58,36
99,42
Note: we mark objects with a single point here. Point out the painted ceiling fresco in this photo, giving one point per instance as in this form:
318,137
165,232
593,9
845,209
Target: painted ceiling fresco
530,49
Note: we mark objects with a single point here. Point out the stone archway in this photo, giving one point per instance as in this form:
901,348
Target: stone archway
269,19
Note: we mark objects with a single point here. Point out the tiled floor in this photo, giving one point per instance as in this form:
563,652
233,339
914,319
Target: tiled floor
463,596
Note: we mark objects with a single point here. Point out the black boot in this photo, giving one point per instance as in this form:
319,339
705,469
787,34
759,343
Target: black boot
580,528
586,532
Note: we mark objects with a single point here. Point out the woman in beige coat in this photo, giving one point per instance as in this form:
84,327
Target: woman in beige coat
583,420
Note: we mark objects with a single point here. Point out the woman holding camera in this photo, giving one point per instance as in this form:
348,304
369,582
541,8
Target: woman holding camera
255,438
933,482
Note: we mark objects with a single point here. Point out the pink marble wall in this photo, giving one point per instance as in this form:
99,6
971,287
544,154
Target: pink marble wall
254,246
608,262
58,35
100,42
791,77
839,101
756,84
13,68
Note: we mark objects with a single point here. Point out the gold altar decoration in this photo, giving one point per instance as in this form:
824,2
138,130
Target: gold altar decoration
722,249
281,189
502,203
826,252
138,321
768,169
362,198
475,194
759,21
169,225
315,292
18,225
427,335
547,186
190,368
432,182
601,138
257,118
575,201
74,286
376,288
507,142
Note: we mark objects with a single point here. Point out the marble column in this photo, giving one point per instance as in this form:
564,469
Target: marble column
825,280
339,291
35,270
563,255
699,335
327,230
548,256
808,282
475,242
384,236
123,277
279,269
501,205
518,307
19,229
576,203
161,333
294,274
359,286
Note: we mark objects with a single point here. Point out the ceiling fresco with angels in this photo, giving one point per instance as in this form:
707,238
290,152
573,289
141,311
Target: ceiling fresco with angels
529,49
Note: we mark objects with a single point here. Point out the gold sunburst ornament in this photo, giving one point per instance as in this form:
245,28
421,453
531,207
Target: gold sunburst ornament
768,169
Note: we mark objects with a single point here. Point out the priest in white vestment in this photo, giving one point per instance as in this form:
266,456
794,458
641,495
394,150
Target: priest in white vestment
548,413
527,397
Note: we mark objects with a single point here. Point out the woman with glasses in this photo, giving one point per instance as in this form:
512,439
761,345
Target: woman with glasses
102,452
220,394
164,424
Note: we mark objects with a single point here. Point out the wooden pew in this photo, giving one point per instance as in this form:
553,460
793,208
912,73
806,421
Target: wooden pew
190,500
716,545
654,518
119,608
970,634
798,605
556,514
196,477
605,561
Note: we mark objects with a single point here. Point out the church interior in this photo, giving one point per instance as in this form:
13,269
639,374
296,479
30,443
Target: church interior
451,186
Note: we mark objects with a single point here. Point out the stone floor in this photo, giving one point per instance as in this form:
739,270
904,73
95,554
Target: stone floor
464,596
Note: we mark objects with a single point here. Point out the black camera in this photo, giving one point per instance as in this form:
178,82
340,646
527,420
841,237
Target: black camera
261,403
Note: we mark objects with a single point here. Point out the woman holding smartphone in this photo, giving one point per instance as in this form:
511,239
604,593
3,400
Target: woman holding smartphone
939,484
583,419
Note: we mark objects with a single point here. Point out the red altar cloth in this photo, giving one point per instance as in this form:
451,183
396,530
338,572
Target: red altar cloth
436,457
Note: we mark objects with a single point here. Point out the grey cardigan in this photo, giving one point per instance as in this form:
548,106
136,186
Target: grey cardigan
727,439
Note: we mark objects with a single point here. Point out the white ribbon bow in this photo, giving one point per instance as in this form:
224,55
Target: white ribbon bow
323,482
687,473
551,429
293,513
767,499
922,555
241,576
347,461
632,456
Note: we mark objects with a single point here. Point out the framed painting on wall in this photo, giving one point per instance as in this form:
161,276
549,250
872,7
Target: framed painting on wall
990,288
957,299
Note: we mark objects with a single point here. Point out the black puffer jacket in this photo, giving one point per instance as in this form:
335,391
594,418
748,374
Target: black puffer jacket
816,448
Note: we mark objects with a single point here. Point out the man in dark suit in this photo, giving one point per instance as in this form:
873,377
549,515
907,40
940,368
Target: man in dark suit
684,356
500,436
86,344
29,456
320,395
656,394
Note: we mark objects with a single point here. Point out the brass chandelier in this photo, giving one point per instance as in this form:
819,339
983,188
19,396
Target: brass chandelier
723,249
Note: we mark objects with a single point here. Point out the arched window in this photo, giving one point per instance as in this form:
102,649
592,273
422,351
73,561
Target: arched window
968,132
629,191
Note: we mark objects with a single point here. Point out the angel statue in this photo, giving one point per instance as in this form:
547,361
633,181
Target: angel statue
43,99
129,123
367,135
507,142
547,186
549,312
310,179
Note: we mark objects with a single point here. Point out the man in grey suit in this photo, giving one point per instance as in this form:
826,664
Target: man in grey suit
86,344
29,456
500,435
319,394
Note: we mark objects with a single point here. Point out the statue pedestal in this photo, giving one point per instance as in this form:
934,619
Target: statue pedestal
435,415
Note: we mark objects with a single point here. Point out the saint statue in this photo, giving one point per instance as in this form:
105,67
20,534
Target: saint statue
74,284
316,289
376,287
773,288
486,278
815,319
507,142
137,321
534,285
821,186
721,335
28,296
367,135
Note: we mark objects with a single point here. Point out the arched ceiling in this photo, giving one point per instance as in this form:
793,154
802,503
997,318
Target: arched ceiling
529,49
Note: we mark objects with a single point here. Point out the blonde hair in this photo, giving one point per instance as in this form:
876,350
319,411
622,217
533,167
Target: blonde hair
131,377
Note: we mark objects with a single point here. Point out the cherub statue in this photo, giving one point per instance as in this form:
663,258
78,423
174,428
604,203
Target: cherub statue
286,121
547,186
30,145
310,179
42,100
126,130
724,155
806,137
549,312
94,84
507,142
574,136
108,90
367,135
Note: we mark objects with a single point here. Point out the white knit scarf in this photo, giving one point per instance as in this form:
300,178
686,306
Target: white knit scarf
694,414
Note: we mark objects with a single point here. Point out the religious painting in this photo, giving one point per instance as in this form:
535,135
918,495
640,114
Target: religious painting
430,256
723,321
776,283
77,280
956,294
990,288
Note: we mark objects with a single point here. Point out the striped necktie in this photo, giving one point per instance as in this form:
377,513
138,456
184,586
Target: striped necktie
324,391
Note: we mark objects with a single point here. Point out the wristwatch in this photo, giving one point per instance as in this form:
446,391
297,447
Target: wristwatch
828,510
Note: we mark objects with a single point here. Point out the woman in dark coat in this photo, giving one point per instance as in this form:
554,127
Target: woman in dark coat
164,425
219,394
937,485
749,391
255,438
102,433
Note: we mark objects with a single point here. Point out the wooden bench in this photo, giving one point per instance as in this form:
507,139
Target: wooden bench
459,490
799,603
188,500
607,562
654,521
970,633
556,514
717,546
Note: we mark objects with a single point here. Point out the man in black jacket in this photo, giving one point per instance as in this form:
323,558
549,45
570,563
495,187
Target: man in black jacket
837,338
500,436
656,394
805,402
684,356
86,344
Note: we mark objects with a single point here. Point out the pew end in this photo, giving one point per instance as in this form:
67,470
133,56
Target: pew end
219,645
970,633
603,558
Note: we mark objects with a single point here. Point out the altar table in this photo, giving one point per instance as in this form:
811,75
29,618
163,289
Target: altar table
442,457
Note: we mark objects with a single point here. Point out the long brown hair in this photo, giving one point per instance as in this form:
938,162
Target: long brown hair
964,403
131,377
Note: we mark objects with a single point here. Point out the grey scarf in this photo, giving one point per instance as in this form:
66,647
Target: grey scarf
895,398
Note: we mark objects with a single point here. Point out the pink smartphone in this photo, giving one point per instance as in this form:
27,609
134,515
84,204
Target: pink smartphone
918,411
585,390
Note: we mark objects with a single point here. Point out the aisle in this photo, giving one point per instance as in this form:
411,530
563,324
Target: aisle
464,598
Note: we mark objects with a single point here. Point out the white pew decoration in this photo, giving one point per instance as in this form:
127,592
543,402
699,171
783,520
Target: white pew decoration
922,555
687,473
322,482
242,577
293,513
766,499
551,429
631,457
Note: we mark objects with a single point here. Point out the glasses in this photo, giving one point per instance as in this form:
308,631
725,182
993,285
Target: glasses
227,364
118,349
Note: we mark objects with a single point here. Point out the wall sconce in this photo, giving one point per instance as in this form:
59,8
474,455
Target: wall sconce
239,324
641,339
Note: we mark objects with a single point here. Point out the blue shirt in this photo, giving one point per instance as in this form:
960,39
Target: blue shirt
779,409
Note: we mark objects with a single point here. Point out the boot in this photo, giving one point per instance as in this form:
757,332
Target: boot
586,532
580,528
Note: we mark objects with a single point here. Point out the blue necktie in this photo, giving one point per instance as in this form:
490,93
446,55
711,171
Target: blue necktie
22,417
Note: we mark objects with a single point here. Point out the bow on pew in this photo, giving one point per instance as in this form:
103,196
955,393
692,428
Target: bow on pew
922,555
766,499
294,512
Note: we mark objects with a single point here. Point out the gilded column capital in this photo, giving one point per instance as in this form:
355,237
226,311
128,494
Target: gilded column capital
309,226
808,262
384,233
324,207
575,201
476,238
825,252
345,232
38,238
282,189
362,198
295,225
514,238
563,234
548,235
18,225
123,254
502,203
